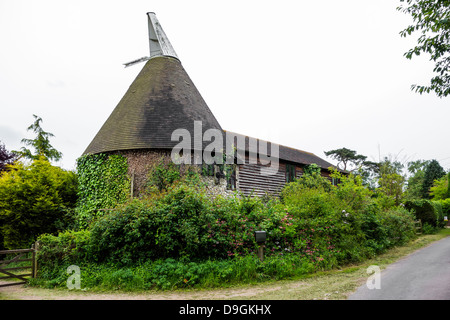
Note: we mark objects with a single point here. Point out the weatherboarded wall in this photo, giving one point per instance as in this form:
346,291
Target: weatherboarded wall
251,179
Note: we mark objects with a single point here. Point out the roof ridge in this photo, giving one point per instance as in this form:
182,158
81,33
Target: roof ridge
273,143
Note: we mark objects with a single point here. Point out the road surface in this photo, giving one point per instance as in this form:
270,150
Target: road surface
423,275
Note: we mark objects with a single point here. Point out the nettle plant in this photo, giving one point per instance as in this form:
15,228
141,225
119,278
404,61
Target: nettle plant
103,184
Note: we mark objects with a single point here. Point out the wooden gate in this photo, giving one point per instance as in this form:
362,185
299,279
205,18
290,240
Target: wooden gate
19,258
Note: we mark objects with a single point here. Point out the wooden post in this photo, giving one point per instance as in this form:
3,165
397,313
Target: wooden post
261,253
34,260
132,184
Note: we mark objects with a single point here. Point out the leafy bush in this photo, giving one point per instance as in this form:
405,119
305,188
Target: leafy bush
439,209
446,206
399,225
66,247
172,226
424,210
163,176
34,199
183,223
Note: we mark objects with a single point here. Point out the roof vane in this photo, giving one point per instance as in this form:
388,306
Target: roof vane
159,43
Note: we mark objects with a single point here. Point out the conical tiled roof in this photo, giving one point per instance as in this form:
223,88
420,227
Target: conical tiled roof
160,100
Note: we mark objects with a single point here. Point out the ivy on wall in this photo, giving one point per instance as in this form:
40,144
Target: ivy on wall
103,184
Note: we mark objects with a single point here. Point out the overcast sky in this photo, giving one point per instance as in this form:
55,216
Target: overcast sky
312,75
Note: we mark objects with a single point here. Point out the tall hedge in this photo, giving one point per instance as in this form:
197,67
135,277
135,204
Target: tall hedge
424,210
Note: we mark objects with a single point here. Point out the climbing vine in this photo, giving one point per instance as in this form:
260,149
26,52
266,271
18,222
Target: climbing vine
103,183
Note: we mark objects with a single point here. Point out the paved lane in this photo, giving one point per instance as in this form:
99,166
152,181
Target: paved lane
423,275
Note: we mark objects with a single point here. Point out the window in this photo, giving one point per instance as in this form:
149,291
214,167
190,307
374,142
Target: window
335,181
290,173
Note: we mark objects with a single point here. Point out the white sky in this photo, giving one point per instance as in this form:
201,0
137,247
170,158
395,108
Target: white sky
312,75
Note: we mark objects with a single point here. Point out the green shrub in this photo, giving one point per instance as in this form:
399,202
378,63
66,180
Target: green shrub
439,209
67,247
163,176
375,231
399,225
428,229
424,210
35,198
446,206
184,223
327,223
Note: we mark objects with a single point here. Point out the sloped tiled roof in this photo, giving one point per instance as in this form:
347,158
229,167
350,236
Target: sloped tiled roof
161,99
285,153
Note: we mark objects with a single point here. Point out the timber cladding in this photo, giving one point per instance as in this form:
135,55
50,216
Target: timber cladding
252,181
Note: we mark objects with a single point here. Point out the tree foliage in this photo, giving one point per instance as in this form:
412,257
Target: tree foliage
345,157
431,18
416,170
439,189
6,157
448,185
41,143
34,199
433,171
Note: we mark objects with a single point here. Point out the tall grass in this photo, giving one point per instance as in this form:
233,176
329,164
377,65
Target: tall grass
170,274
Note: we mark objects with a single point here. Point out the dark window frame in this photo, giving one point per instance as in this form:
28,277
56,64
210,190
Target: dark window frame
290,172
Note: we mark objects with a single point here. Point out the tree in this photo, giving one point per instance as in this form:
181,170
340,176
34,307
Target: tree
41,143
432,19
448,185
345,156
34,199
391,180
416,169
369,172
439,189
433,171
391,185
6,157
416,166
